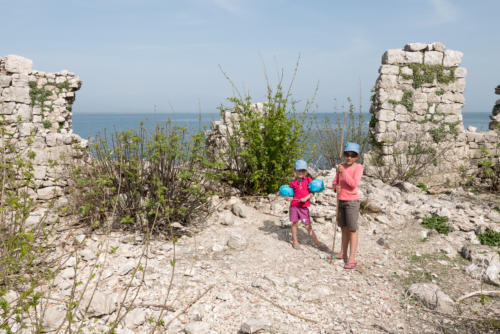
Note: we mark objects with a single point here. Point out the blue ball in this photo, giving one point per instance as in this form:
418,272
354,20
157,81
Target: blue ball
316,186
286,191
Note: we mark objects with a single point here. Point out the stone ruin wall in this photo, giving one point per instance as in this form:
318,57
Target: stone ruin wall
418,100
37,105
495,113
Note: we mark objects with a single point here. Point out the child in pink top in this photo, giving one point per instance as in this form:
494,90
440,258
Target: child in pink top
299,206
349,174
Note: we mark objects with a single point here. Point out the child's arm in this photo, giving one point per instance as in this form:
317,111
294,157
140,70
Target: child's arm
335,182
356,177
306,198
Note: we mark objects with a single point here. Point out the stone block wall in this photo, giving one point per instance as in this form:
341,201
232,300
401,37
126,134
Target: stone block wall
417,114
35,110
495,113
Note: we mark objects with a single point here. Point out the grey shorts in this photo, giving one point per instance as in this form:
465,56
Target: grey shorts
348,215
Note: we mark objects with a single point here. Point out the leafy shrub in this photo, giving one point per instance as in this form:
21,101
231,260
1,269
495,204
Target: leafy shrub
263,145
148,179
437,223
329,136
490,238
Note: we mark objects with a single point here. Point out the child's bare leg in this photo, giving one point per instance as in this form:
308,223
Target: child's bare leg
353,240
345,243
295,225
312,235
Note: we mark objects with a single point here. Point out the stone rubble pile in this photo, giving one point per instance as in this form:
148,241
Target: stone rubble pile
36,106
417,107
245,244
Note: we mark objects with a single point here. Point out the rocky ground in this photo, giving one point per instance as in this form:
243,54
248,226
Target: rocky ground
239,274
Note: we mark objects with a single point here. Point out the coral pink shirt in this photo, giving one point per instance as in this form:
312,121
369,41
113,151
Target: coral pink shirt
300,190
349,182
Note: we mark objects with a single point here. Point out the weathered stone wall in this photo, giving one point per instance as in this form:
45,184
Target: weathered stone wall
495,117
417,115
35,109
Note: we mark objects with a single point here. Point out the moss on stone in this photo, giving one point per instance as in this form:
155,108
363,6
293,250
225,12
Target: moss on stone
425,73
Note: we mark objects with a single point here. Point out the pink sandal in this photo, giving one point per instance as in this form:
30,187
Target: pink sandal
350,265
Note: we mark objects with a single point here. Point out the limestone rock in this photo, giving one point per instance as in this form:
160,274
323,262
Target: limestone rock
135,318
18,64
415,46
254,325
197,327
237,241
100,304
238,210
432,297
53,318
433,58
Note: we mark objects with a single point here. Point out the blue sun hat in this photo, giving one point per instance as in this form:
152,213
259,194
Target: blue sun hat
300,164
286,191
316,186
350,146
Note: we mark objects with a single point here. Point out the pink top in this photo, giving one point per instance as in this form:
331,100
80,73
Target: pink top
349,182
300,190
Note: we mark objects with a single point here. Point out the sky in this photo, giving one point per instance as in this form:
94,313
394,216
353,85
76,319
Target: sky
133,55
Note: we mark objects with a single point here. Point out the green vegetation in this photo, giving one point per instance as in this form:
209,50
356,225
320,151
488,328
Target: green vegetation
406,101
263,147
440,92
437,223
329,134
47,124
152,179
423,187
426,74
490,238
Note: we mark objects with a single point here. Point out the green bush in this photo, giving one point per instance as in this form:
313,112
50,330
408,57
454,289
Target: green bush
329,135
490,238
148,179
437,223
263,145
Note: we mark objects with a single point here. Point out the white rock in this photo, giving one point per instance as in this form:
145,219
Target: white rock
394,57
452,58
237,241
254,325
126,268
239,210
88,254
415,46
18,64
432,297
438,46
433,58
53,318
101,303
197,327
135,318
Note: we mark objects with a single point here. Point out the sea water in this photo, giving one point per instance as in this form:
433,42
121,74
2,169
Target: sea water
88,125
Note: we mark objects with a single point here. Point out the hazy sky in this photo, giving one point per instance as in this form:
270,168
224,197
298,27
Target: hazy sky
132,55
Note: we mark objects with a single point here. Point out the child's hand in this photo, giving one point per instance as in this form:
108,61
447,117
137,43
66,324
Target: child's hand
303,199
340,169
337,189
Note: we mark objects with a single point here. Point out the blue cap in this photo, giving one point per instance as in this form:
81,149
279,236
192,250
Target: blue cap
300,164
352,147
